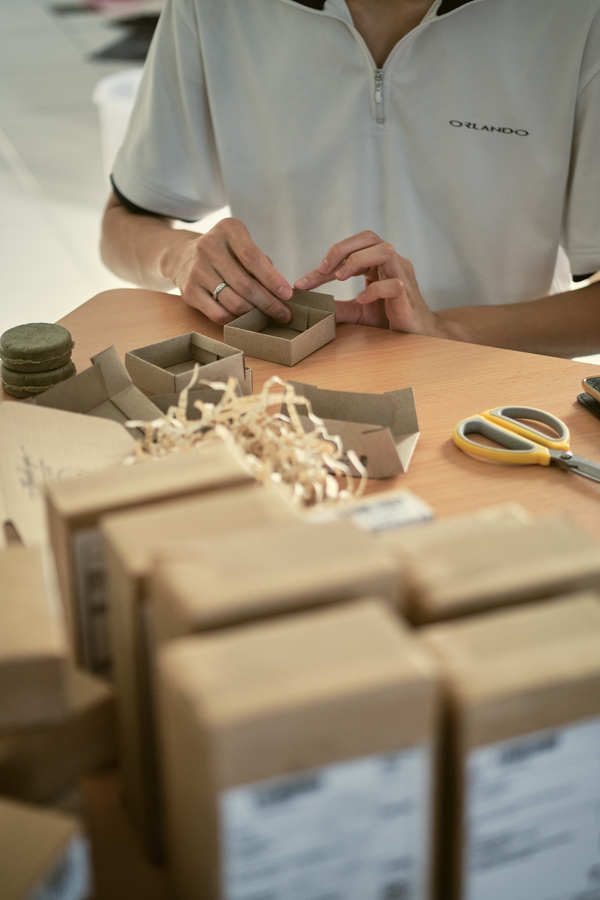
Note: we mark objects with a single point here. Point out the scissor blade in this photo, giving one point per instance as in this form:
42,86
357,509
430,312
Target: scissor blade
577,464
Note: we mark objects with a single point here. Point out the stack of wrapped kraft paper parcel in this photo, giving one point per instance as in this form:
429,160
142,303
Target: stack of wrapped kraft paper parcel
464,565
518,813
298,757
229,574
56,725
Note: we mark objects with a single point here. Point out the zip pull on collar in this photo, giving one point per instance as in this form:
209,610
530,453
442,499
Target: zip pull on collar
379,100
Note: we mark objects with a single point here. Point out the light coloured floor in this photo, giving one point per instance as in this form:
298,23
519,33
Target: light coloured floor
52,186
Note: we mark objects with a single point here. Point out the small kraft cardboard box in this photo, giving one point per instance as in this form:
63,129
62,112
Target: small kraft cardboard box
43,854
473,564
105,390
312,325
74,510
33,651
382,429
202,394
40,764
167,367
522,752
132,539
298,758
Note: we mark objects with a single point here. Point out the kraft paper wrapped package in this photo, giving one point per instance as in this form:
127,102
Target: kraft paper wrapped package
132,539
43,763
33,651
43,854
522,751
472,564
74,510
298,758
166,367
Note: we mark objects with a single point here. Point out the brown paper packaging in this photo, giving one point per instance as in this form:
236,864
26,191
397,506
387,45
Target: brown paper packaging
258,724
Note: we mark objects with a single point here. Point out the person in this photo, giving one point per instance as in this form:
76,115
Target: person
438,161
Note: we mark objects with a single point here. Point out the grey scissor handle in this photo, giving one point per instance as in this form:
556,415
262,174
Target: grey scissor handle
513,415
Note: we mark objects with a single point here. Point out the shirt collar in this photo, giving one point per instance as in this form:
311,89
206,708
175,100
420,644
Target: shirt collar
445,6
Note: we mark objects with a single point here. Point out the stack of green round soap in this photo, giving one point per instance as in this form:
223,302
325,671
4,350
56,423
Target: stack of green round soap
34,357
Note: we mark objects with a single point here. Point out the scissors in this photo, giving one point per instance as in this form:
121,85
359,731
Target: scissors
521,444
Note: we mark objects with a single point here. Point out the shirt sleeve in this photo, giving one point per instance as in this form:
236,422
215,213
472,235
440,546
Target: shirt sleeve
168,162
581,233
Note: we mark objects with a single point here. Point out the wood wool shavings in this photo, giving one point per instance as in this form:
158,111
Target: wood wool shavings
271,444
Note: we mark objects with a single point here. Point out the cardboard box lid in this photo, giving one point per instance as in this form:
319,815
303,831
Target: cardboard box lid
248,575
313,300
168,365
455,570
46,444
105,390
381,428
282,667
135,535
208,467
36,851
509,667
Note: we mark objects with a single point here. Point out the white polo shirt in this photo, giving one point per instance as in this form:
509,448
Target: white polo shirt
475,150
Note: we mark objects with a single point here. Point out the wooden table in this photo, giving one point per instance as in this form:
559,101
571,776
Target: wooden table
450,380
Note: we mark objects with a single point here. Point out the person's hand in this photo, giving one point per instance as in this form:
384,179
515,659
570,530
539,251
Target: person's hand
391,296
228,254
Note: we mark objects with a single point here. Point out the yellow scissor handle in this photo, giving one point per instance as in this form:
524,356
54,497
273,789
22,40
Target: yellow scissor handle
514,450
510,416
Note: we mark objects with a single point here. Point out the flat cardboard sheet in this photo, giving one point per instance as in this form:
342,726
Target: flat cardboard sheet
382,429
311,326
41,445
167,366
105,390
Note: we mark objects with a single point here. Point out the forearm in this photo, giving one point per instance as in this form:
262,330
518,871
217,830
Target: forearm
139,248
566,324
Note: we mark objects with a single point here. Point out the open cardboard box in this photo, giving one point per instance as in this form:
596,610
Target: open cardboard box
105,390
311,326
382,429
167,366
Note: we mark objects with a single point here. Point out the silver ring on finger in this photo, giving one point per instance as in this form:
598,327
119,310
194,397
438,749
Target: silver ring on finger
220,287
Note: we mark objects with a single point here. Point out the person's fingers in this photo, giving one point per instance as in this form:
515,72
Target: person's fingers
232,302
200,299
325,271
266,286
347,311
361,261
386,289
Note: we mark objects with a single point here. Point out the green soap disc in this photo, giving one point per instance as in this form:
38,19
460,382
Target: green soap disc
21,393
36,381
38,346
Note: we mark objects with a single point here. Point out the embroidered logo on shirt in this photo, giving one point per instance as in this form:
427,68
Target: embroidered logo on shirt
499,129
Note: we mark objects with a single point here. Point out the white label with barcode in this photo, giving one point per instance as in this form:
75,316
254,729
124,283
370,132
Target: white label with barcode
532,829
90,580
353,831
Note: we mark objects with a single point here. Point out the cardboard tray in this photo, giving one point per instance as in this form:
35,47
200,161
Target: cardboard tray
167,366
312,326
382,429
105,390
